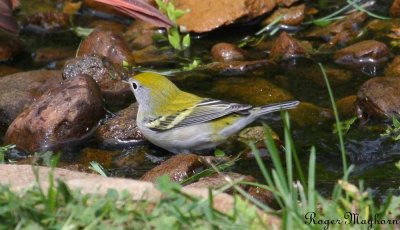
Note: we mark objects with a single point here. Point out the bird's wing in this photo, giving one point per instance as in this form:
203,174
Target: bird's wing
205,110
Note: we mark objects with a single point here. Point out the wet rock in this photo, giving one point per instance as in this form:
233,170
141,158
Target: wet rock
379,98
9,47
48,21
347,106
255,91
18,91
62,115
178,168
395,8
7,70
203,18
220,180
342,31
106,44
116,93
335,76
115,27
153,56
293,16
120,129
363,54
240,67
307,114
140,34
286,47
131,159
103,157
225,52
49,54
393,69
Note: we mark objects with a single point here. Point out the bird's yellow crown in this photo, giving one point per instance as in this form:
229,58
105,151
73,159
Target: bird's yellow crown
154,81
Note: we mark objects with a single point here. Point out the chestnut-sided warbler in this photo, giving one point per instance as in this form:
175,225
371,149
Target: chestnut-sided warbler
181,122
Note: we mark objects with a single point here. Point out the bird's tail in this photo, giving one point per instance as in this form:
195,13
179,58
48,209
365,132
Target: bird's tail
263,110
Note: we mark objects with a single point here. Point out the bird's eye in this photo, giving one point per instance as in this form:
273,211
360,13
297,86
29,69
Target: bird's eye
134,85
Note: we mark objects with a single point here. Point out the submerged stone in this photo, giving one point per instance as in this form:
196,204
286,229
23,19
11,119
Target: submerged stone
120,130
379,98
178,168
255,91
225,52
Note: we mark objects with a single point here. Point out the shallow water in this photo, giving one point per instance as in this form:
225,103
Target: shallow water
372,155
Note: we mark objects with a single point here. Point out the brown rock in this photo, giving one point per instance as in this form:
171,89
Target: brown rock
220,180
62,115
121,129
393,69
103,157
286,47
106,44
18,91
131,159
342,31
116,93
335,76
292,16
9,47
395,8
203,18
347,106
255,91
178,168
225,52
309,114
379,97
240,67
49,54
368,52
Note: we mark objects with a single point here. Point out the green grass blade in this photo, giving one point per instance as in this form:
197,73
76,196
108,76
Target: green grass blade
335,111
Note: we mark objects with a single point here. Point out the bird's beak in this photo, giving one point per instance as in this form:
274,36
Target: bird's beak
125,81
141,10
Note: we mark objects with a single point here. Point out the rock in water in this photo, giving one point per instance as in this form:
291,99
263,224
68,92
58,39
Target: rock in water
108,76
106,44
62,115
379,98
207,15
122,129
18,91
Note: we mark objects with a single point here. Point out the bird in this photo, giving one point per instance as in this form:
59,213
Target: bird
181,122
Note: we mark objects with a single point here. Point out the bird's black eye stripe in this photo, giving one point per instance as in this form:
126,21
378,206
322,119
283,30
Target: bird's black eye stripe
134,85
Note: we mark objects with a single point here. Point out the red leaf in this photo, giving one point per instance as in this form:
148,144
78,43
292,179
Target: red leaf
140,10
